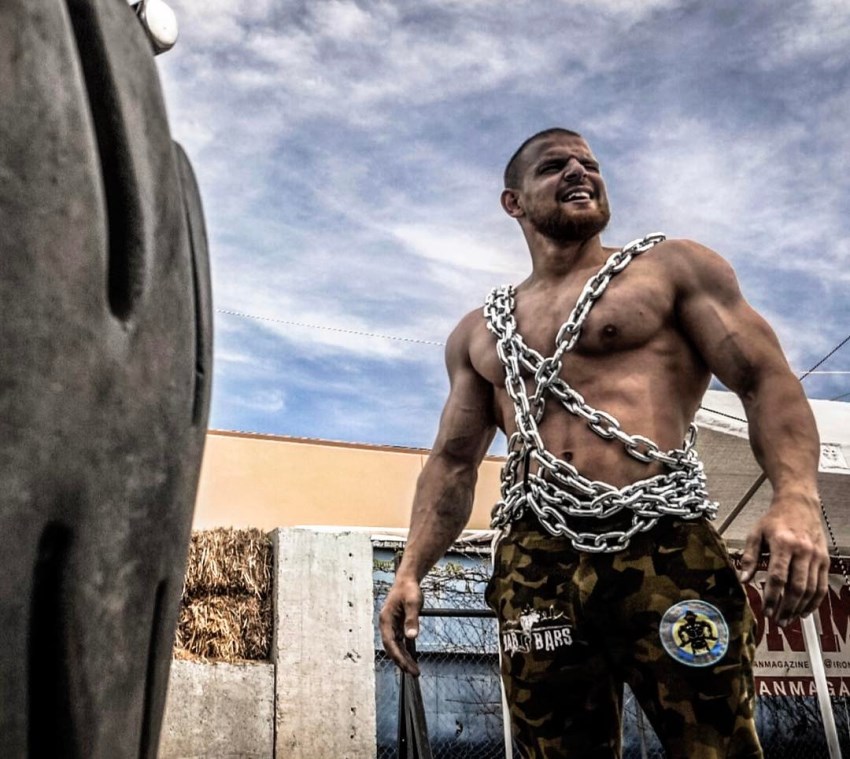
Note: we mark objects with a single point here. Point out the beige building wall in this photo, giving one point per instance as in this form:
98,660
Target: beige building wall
252,480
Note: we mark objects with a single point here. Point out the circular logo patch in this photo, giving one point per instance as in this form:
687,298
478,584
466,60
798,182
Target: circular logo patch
694,633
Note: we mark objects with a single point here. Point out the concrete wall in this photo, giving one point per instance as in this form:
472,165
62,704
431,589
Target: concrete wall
324,645
316,698
218,711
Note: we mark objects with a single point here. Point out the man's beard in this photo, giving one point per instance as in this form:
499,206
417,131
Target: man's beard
562,228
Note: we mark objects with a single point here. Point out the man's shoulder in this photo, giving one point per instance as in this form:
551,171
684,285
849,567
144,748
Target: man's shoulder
468,342
687,257
682,247
472,320
687,249
695,268
467,329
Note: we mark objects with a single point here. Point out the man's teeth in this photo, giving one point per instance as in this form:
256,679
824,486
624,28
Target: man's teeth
579,195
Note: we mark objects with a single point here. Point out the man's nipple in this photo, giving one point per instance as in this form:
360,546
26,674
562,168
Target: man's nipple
609,330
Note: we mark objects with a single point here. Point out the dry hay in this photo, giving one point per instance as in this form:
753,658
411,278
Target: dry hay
229,561
226,610
227,628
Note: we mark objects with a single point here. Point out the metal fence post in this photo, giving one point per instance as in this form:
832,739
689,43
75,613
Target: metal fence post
810,634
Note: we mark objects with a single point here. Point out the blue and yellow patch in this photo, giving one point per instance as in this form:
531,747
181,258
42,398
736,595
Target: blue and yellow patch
694,633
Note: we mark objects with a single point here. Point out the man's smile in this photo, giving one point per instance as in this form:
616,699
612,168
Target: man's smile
576,195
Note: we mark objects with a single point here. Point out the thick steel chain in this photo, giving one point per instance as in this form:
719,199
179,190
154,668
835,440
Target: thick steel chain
557,490
835,552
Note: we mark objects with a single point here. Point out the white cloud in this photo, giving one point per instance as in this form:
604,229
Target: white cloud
340,20
450,246
814,29
265,401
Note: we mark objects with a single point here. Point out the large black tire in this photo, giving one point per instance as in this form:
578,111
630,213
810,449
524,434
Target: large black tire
105,353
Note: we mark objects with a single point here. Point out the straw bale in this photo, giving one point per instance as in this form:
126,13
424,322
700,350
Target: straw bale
222,627
229,561
226,610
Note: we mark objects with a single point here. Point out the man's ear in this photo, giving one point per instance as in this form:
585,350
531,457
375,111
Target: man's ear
511,204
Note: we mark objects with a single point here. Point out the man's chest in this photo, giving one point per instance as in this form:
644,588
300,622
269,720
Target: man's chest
635,312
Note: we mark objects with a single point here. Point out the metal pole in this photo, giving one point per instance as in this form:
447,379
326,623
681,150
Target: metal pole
641,731
810,634
730,517
506,714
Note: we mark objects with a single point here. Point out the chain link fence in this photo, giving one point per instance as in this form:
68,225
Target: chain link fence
458,656
461,691
788,728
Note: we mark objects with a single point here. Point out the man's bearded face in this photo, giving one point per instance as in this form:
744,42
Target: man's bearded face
563,192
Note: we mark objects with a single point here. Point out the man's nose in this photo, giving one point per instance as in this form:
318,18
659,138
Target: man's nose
574,170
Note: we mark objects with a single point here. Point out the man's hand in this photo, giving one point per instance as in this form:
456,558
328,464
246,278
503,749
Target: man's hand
399,619
798,570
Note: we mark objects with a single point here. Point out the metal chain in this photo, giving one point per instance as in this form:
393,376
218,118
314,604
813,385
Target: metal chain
562,491
836,552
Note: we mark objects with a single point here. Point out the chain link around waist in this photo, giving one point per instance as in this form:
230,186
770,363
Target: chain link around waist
680,494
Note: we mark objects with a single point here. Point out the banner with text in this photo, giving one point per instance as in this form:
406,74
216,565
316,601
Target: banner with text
782,665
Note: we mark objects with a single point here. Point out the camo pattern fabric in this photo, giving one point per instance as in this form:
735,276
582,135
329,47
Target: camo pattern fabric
574,626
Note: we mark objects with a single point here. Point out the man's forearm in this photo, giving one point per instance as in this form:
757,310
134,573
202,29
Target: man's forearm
441,509
785,441
783,435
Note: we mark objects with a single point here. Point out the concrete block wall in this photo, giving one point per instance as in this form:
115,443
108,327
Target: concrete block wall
316,698
219,710
324,645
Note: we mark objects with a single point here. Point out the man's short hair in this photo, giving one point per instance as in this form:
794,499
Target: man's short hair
512,170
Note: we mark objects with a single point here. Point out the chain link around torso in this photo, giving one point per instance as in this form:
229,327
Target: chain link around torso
557,491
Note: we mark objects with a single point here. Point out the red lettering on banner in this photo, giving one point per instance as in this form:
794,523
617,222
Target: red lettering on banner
840,608
793,633
834,615
781,651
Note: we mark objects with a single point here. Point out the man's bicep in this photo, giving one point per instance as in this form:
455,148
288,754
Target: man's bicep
734,341
467,424
736,344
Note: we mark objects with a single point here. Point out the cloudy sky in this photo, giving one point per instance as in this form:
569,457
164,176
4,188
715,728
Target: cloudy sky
349,155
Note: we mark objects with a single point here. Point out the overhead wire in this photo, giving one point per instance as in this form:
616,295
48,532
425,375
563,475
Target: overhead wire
438,343
827,356
328,328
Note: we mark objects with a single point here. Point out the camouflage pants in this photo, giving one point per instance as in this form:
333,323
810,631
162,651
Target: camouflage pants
667,615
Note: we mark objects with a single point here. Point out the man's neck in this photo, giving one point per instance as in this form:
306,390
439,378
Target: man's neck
552,261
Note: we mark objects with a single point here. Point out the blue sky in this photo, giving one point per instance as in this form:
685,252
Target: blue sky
350,157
